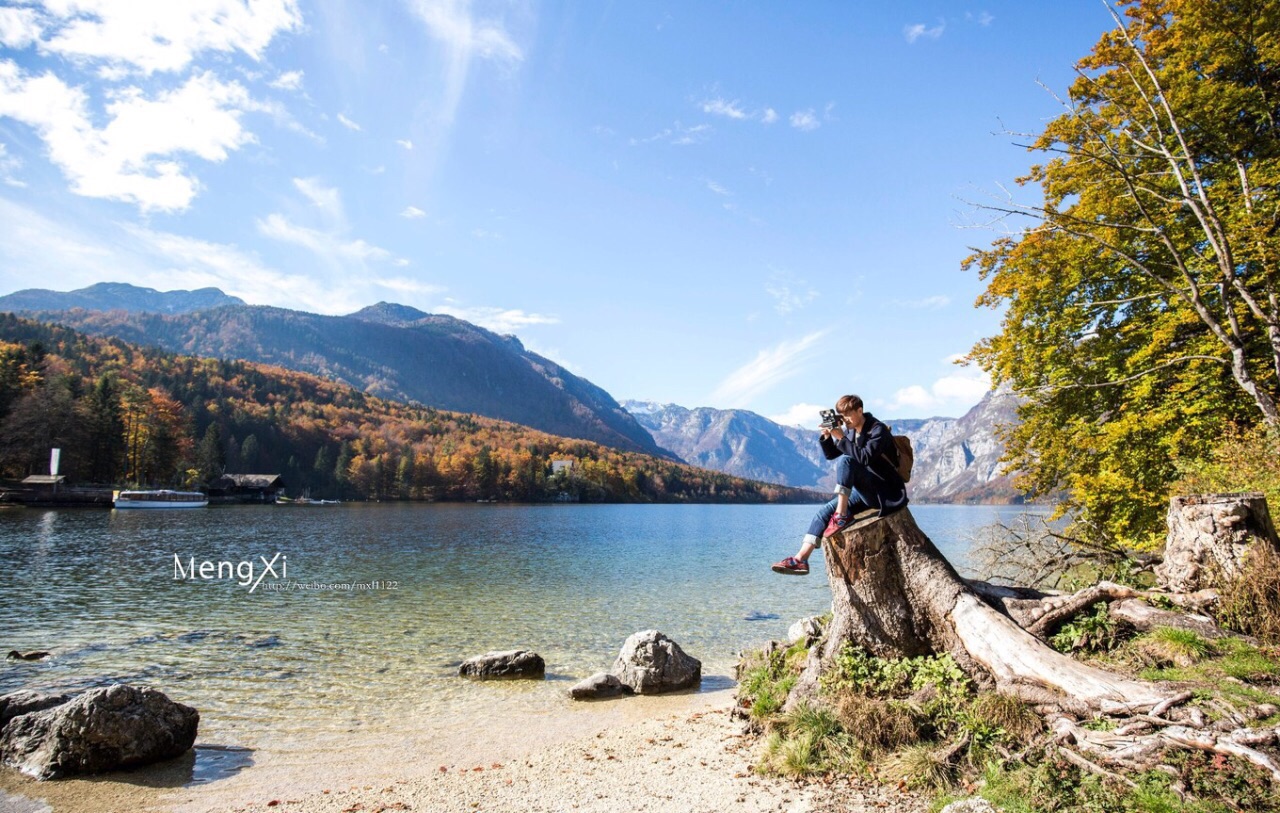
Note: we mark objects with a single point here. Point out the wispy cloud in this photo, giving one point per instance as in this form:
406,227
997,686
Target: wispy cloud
404,142
734,110
413,213
325,198
348,123
717,188
917,31
722,107
932,303
290,80
789,292
677,135
499,320
9,164
982,18
805,120
768,369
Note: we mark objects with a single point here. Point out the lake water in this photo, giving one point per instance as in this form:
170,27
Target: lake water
291,673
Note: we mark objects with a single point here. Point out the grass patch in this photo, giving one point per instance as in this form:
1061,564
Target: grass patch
1090,632
1225,658
1167,646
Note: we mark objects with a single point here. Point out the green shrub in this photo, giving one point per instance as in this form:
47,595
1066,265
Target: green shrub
1094,631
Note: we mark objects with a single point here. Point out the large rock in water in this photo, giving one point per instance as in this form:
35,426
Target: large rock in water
23,702
651,663
101,730
1209,537
512,664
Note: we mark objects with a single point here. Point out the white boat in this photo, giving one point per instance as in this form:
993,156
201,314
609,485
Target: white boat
161,498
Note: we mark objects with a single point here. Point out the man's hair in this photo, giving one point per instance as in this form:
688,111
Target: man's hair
848,403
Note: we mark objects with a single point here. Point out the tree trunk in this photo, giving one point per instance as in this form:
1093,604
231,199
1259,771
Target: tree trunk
1209,537
894,595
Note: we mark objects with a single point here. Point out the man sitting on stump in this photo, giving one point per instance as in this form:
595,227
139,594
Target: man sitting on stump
866,478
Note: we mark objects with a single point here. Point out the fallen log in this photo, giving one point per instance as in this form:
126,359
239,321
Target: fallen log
894,595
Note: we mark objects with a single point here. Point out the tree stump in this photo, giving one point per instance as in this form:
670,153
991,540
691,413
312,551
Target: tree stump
1209,537
895,595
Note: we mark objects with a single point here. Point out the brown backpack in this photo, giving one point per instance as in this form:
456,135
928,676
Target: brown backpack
906,456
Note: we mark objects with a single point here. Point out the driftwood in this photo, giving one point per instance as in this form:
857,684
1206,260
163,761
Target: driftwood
895,595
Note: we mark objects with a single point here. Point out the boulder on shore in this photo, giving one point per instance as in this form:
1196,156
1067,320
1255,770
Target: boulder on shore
806,629
101,730
513,664
651,663
22,702
598,687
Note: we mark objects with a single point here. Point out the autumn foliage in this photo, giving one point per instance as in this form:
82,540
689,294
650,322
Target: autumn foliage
127,415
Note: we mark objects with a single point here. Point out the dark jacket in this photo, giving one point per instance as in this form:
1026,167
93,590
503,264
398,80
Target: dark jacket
874,461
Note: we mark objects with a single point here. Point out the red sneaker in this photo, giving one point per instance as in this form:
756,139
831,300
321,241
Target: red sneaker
792,567
836,525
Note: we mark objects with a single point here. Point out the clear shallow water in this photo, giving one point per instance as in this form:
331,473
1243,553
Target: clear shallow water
307,671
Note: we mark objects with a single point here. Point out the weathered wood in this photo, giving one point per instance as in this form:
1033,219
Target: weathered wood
895,595
1144,618
1209,538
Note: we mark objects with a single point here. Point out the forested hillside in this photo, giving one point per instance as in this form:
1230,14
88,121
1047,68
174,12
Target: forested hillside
124,414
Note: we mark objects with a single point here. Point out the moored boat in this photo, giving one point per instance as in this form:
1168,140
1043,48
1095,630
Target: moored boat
161,498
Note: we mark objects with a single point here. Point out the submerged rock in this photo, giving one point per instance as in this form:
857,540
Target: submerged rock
101,730
598,687
651,663
509,665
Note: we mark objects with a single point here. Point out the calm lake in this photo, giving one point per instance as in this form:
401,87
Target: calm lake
298,664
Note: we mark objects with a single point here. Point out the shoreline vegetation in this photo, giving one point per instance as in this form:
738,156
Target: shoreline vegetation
125,414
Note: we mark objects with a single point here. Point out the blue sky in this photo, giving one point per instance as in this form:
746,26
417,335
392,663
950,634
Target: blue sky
719,204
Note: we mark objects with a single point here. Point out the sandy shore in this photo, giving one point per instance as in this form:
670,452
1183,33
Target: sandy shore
693,760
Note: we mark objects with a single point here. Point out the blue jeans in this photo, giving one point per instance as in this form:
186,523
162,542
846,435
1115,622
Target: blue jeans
847,477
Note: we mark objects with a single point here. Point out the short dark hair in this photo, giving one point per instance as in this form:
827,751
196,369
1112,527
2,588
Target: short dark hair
848,403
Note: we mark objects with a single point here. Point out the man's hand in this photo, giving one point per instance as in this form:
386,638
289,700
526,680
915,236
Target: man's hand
838,433
825,433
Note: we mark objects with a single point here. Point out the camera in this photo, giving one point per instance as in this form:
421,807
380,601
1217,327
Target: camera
830,418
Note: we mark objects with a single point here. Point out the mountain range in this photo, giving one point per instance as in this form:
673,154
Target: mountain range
956,460
110,296
391,351
401,353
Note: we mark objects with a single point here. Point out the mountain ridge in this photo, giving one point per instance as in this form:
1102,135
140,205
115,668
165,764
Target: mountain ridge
391,351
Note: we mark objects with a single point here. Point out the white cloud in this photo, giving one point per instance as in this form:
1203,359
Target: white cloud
413,213
805,415
677,134
789,293
464,38
162,35
499,320
717,188
326,245
348,123
134,157
8,165
983,18
325,198
721,107
769,368
769,115
404,142
922,31
291,80
932,303
405,285
955,393
19,27
805,120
